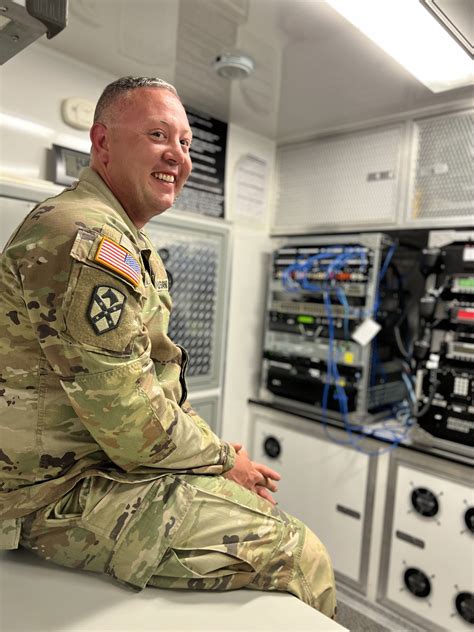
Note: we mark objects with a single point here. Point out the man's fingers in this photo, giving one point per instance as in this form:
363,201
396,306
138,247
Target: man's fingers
264,493
252,475
271,485
267,471
268,483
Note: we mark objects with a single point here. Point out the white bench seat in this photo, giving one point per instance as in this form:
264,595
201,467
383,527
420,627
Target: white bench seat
38,596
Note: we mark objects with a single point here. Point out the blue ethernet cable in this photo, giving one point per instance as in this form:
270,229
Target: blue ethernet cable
332,374
341,295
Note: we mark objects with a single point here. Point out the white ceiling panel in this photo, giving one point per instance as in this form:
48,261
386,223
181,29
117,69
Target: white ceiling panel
314,72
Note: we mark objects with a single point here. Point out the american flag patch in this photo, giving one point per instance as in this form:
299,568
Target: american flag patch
113,256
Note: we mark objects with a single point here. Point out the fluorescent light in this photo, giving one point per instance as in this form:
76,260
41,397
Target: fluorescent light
24,125
414,38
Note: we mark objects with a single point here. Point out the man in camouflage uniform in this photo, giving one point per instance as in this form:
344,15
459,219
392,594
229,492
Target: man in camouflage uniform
104,466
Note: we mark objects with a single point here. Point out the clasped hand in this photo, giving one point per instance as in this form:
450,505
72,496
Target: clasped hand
254,476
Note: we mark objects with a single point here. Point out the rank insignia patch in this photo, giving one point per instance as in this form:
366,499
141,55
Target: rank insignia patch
105,308
116,258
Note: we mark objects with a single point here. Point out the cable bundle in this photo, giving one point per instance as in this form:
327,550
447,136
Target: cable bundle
298,277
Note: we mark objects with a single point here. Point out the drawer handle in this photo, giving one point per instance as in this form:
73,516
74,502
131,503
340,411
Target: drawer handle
406,537
348,512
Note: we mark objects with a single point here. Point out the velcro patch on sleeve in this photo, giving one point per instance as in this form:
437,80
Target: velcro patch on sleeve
106,308
113,256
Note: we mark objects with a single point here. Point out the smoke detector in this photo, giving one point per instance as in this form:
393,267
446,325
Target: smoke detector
233,65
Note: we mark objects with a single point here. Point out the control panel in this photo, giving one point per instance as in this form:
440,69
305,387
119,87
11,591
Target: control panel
445,349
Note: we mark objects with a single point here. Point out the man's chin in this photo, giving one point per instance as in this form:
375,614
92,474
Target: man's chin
161,207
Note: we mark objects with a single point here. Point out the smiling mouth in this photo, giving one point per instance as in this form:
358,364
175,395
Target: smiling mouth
164,177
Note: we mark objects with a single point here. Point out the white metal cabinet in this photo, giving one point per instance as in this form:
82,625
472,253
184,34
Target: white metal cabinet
428,561
440,191
326,485
340,180
417,172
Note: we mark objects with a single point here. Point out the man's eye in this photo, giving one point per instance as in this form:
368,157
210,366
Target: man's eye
185,142
158,134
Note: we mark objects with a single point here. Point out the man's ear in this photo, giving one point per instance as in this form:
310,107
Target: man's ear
100,141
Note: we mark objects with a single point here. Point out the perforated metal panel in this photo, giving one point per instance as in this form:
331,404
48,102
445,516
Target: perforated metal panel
441,172
195,260
192,264
348,179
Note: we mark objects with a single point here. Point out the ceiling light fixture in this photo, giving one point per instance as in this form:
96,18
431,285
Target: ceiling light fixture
24,125
233,65
414,38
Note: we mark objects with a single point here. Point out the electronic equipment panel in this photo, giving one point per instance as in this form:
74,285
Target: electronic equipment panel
445,350
328,343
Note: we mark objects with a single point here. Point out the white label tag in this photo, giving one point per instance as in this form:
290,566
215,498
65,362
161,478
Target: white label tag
366,331
432,362
468,253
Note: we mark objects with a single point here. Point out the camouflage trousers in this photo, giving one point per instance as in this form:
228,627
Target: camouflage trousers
226,537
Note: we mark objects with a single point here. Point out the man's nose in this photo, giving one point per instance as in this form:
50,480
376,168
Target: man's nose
174,152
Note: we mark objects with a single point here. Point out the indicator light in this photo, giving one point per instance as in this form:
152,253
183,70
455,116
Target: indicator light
465,314
305,320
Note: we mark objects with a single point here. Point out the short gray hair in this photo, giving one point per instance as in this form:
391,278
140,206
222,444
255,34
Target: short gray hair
124,84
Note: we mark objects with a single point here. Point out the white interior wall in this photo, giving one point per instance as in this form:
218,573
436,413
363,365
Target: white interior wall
251,247
33,85
245,328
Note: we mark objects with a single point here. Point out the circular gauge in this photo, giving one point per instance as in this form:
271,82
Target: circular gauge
164,254
465,606
417,582
469,519
424,502
272,447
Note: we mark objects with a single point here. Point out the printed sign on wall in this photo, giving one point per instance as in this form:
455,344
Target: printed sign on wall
203,193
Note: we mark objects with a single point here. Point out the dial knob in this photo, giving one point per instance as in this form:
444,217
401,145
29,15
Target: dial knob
417,582
272,447
424,502
465,606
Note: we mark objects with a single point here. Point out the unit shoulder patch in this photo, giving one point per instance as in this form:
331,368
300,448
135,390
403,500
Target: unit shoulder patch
105,308
115,257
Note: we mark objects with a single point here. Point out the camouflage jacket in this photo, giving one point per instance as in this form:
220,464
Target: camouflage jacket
89,380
